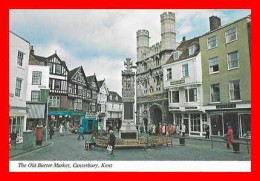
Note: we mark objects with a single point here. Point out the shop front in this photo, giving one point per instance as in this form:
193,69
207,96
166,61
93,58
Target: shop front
195,122
17,122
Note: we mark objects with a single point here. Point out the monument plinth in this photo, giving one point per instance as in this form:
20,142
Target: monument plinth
128,128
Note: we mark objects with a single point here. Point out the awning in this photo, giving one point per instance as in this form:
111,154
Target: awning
66,113
35,111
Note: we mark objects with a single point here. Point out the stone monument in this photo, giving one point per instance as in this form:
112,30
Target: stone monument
128,128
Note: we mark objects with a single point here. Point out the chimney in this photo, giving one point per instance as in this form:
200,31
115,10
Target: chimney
31,50
183,39
214,22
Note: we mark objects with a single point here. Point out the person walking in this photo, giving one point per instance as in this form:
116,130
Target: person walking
13,139
172,130
178,129
81,130
167,130
154,129
164,129
230,137
141,129
51,131
207,132
61,127
160,129
183,129
112,141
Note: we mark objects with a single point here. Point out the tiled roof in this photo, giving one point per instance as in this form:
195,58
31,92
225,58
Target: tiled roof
100,83
184,48
72,72
114,94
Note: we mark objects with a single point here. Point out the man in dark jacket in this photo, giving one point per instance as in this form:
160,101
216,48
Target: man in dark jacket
112,141
13,137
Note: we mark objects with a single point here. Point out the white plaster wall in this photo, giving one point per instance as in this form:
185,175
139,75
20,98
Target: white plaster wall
16,43
44,79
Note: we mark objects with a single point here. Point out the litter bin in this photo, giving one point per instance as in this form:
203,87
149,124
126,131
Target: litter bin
39,135
236,147
182,140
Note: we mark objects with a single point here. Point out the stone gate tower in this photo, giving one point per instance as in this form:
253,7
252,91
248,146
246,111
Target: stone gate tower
128,129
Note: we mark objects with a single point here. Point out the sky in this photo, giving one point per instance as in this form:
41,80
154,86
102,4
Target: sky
101,40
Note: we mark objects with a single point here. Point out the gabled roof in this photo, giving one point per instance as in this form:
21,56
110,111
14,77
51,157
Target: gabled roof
74,71
184,49
114,94
90,79
36,58
100,83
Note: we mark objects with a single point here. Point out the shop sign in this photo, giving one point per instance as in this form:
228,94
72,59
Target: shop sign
181,81
225,106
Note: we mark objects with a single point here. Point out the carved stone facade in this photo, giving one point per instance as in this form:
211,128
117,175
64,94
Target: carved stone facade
128,129
149,76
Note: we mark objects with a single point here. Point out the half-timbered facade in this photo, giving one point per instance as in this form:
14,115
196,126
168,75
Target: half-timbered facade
58,88
78,95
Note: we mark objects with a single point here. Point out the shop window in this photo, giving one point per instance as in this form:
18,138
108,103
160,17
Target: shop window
216,125
231,119
245,125
195,122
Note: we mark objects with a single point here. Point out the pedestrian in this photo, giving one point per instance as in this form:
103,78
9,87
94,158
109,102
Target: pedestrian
207,132
112,141
81,130
154,129
51,131
141,129
167,130
160,129
13,136
61,127
178,129
230,137
172,129
164,129
92,141
183,129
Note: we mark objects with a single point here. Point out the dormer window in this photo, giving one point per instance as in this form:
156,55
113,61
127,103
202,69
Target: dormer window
176,55
110,97
191,50
116,98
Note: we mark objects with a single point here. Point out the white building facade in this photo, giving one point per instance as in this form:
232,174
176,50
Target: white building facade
102,103
19,51
114,109
37,85
183,80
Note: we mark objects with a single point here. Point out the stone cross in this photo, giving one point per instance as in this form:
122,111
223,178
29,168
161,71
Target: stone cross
128,64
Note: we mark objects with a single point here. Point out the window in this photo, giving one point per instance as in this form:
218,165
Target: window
54,101
212,42
93,105
78,104
18,87
234,90
233,60
191,95
16,125
35,96
231,34
176,55
215,93
57,85
204,122
157,62
94,95
145,66
169,74
185,70
51,67
245,125
213,65
191,50
195,122
216,125
36,78
58,69
175,96
20,58
80,90
88,94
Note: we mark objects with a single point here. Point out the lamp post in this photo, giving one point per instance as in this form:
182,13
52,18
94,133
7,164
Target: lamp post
47,120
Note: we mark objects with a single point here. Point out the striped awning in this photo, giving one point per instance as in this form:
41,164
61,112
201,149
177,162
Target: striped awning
35,111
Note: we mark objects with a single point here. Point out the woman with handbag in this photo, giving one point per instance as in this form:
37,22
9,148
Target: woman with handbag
112,141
